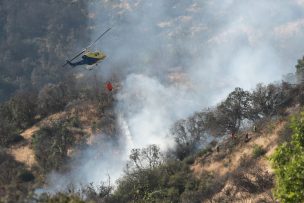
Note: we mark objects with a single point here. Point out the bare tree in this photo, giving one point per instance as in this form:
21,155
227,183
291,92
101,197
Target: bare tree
146,158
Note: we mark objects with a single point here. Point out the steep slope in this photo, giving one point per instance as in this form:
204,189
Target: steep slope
228,159
241,163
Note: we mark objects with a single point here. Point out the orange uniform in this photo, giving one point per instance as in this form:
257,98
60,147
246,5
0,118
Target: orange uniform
109,86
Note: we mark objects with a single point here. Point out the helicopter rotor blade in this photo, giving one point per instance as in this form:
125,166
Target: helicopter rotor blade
74,57
78,55
99,37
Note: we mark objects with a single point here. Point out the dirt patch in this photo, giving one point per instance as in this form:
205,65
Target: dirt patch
23,154
27,134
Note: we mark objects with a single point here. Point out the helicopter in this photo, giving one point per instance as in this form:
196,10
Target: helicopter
89,58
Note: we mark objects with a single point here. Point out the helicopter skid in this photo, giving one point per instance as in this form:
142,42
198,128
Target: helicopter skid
91,67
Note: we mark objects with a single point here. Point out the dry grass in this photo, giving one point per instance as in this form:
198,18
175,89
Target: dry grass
232,158
24,154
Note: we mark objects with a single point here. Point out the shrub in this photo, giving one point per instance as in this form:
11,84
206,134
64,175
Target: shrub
288,164
52,98
157,196
20,110
209,185
8,137
26,176
74,122
189,160
250,178
15,138
171,181
258,151
51,144
191,197
60,198
9,168
8,131
204,151
137,185
285,134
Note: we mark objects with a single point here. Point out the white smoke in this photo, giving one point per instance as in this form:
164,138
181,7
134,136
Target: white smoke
150,108
177,57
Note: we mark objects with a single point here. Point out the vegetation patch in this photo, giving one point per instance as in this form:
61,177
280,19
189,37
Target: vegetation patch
285,135
288,164
51,144
258,151
26,176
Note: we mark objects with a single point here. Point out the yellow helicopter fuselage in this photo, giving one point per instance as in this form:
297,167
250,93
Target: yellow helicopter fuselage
93,57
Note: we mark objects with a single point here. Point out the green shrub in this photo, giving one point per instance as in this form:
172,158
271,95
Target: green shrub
157,196
60,198
173,194
288,164
74,122
189,160
204,151
258,151
191,197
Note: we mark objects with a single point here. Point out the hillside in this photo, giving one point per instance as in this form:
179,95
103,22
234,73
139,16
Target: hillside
234,169
237,156
85,112
225,162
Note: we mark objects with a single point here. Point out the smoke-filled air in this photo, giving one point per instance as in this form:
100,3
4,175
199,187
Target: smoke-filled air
151,101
